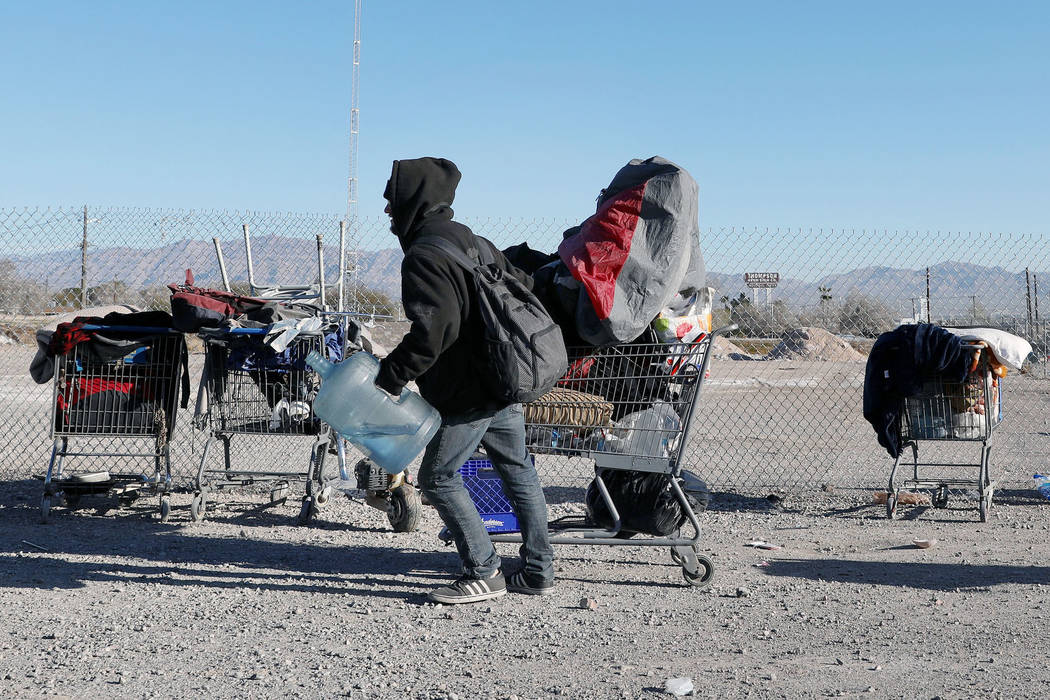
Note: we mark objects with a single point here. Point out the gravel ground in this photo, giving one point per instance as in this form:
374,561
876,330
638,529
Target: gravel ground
247,604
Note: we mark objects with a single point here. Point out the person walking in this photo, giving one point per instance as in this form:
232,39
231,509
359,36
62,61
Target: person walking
440,353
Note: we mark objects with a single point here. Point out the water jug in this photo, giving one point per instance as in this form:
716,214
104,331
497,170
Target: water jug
391,430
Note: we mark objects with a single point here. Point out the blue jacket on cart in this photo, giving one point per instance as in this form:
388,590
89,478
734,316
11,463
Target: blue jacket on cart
899,362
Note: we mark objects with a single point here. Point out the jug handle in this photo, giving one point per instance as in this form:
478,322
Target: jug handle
394,398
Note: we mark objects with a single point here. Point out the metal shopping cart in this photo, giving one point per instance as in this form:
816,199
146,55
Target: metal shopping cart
118,386
393,494
966,412
629,409
249,388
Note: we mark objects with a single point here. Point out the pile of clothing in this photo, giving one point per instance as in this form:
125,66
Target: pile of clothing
902,362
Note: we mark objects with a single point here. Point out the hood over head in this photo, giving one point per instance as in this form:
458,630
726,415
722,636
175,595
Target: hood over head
419,189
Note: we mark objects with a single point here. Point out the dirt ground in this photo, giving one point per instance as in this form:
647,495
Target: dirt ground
246,604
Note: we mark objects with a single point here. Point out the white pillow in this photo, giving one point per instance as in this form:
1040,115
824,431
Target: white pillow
1009,349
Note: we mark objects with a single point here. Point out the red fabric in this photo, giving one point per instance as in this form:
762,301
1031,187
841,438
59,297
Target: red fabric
577,370
81,388
69,335
596,255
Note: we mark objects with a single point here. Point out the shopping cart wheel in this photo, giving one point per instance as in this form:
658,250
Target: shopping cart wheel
986,505
404,508
45,507
891,504
940,497
165,508
323,497
197,507
702,574
306,511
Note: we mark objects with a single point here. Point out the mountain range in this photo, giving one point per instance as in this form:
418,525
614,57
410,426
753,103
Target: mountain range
955,287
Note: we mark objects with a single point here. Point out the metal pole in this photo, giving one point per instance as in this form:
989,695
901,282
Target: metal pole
1028,298
929,318
355,114
248,253
222,265
342,266
83,263
320,269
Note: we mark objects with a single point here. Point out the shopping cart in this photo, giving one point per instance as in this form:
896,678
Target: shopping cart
629,408
117,387
250,389
393,494
942,411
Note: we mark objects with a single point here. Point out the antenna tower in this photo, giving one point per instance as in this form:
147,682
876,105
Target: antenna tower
351,181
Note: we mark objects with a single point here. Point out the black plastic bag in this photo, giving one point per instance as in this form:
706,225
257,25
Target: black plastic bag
646,502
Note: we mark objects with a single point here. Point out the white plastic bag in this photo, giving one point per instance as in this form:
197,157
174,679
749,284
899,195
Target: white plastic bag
653,432
683,320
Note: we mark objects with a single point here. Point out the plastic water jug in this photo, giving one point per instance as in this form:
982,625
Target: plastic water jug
391,430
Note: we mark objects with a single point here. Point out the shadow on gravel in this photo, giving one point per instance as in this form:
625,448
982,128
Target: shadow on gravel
726,502
278,514
931,576
244,564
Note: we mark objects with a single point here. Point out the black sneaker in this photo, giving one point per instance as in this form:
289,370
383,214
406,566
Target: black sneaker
471,590
521,582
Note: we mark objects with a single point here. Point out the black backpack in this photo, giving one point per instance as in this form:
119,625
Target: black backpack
524,353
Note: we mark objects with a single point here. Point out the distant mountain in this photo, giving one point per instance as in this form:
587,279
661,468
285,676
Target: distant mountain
275,259
955,287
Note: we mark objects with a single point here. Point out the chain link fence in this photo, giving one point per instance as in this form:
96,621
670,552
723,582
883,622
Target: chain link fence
780,410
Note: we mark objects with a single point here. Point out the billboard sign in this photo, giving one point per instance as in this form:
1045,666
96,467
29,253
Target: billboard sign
761,280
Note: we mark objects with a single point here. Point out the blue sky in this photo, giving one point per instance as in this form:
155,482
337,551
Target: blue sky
912,115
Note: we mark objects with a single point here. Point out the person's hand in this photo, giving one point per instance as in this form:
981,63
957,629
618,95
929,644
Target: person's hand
396,396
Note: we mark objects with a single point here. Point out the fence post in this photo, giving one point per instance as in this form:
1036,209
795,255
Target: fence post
83,263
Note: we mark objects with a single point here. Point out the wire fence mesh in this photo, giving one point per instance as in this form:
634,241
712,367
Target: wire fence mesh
781,407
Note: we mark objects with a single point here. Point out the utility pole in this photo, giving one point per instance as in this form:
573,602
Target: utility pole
929,318
83,263
1028,298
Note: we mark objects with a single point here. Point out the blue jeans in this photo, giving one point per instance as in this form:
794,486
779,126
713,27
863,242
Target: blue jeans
503,436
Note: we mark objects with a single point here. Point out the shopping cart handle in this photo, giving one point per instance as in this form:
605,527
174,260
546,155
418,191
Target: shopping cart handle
153,330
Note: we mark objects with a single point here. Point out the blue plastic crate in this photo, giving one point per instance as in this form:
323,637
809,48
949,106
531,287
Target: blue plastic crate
486,490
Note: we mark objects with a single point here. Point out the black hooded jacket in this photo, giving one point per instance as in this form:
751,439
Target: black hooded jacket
440,350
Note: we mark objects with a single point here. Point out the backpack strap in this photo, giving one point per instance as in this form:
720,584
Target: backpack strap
468,262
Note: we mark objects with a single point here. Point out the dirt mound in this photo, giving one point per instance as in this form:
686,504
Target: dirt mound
813,344
725,349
